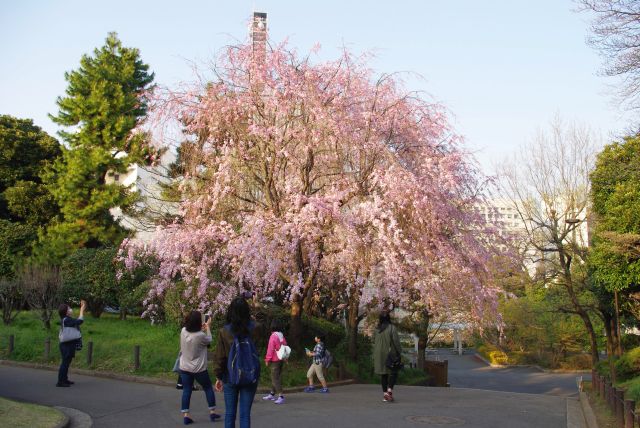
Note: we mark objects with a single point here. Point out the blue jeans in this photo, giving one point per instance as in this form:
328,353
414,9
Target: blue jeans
187,387
242,395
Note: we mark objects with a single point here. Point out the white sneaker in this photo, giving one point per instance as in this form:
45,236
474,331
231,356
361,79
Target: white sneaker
269,397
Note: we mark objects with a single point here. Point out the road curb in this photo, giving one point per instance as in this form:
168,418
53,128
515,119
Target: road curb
575,414
144,379
75,417
587,411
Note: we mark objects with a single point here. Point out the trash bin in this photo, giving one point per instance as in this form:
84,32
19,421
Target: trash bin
437,371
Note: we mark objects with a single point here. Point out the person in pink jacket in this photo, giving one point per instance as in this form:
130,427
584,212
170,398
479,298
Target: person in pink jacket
276,340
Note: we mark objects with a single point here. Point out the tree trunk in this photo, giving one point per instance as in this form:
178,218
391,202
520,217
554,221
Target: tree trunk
295,327
352,326
565,262
96,308
609,331
422,347
46,319
617,328
123,314
592,336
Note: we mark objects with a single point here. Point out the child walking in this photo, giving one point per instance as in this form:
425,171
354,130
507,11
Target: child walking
316,366
276,340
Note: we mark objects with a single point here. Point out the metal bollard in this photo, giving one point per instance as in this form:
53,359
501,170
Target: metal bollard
629,407
12,340
89,353
136,357
47,348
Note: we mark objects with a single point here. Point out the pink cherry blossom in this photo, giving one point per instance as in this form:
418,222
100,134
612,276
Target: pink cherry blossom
302,176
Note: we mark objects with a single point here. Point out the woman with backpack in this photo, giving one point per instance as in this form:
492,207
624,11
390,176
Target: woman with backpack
70,340
386,352
194,339
272,360
236,363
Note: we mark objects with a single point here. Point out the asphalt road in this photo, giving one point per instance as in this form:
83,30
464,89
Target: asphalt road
466,371
472,401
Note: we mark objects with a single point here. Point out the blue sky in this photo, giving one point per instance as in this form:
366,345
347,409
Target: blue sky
503,68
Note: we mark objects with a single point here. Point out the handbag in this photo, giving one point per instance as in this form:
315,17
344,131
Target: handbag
176,366
284,352
67,334
394,359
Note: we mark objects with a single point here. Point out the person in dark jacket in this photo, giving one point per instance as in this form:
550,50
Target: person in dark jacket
237,399
386,340
68,349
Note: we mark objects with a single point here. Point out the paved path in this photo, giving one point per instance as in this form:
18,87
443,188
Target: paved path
114,403
466,371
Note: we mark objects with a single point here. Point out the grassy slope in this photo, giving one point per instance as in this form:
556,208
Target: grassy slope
114,341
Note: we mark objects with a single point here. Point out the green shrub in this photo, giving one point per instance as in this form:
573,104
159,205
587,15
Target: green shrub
577,362
493,354
630,341
632,389
628,365
602,368
89,274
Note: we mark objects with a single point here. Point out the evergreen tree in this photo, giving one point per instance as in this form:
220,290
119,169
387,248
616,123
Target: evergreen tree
25,152
106,99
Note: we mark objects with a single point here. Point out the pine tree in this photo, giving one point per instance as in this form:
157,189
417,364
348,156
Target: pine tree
105,101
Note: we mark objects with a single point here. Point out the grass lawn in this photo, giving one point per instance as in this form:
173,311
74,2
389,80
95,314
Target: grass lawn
113,344
113,347
16,415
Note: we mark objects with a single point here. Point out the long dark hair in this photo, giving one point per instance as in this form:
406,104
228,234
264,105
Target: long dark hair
384,321
239,316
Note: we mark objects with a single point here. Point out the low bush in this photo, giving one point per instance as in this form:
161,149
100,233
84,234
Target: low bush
577,362
628,365
493,354
632,387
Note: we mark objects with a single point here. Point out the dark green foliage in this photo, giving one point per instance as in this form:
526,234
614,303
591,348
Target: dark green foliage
90,274
334,333
16,244
105,100
25,152
615,256
628,365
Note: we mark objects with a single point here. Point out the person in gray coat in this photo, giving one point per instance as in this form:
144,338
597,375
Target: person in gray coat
386,340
